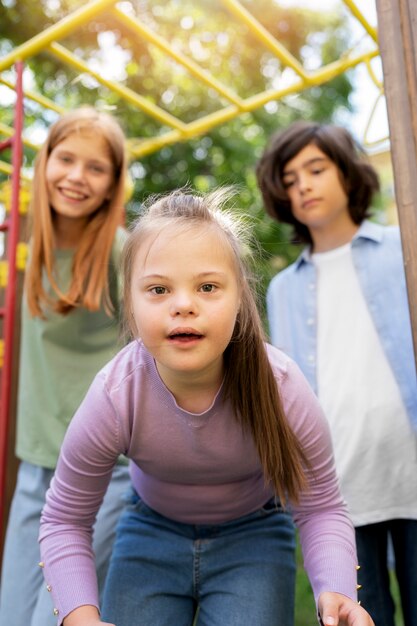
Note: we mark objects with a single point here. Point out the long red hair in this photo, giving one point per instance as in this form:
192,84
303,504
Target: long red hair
89,283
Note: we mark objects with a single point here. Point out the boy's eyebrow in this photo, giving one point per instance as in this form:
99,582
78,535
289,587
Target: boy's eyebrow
305,164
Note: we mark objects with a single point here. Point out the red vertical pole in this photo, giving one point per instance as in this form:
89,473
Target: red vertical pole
10,295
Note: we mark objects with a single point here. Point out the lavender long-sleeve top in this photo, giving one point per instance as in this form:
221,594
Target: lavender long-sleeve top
193,468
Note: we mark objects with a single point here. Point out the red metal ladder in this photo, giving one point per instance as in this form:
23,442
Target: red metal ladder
10,227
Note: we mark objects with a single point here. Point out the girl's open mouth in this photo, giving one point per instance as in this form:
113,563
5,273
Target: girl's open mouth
185,336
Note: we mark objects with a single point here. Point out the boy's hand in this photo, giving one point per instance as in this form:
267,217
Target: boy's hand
336,609
84,616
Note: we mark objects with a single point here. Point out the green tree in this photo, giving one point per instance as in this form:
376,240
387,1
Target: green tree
207,32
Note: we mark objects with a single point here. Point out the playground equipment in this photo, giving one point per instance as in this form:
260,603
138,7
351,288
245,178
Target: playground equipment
173,129
9,281
180,131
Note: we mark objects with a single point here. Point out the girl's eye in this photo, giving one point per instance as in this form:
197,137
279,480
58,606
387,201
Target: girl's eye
208,288
318,171
159,291
98,169
65,159
287,183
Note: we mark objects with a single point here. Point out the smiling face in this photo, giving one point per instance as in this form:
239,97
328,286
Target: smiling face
79,176
184,300
318,198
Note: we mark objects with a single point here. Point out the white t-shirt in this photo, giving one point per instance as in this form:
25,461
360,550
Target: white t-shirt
375,447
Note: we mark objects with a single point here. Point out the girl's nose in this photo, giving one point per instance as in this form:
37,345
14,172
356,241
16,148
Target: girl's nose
76,173
183,304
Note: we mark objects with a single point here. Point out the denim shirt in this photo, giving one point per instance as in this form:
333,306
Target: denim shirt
377,257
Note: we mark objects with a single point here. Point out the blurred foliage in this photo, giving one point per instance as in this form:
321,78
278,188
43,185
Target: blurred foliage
224,46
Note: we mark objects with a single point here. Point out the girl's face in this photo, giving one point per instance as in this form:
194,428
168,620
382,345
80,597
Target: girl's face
185,299
79,176
314,187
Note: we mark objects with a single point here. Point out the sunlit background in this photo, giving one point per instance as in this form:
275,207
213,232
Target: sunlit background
211,147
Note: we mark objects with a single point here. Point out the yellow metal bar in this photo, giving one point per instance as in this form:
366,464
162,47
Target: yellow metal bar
263,35
55,32
9,132
366,141
140,29
361,18
6,168
338,67
373,76
141,148
126,93
180,130
45,102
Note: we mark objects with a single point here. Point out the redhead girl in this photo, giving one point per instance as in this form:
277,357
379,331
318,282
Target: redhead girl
227,443
69,331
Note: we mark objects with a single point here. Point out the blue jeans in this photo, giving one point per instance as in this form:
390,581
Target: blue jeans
24,599
240,573
375,595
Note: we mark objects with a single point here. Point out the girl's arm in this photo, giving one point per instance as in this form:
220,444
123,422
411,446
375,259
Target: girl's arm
89,452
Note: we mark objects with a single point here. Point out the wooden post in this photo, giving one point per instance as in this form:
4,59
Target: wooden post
397,32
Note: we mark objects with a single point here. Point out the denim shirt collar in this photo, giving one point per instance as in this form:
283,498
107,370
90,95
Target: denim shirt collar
367,230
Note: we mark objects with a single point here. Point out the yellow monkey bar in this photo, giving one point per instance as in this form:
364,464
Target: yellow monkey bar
230,103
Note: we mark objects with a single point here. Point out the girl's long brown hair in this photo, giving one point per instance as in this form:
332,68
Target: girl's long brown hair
249,380
89,284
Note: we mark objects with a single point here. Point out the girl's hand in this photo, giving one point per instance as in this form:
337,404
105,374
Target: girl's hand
339,610
84,616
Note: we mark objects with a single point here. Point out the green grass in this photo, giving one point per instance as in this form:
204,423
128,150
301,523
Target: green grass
305,611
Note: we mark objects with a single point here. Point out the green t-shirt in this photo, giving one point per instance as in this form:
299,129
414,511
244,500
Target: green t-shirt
59,357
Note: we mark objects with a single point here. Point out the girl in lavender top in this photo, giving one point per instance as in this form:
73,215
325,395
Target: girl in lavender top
227,445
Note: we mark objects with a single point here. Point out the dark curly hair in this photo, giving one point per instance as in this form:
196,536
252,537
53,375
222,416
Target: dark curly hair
358,177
